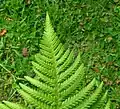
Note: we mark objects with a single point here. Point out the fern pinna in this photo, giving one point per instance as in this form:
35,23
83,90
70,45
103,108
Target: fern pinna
59,80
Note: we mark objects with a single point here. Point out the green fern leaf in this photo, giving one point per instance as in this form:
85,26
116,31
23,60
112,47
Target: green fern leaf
100,102
14,105
3,106
59,80
92,99
107,105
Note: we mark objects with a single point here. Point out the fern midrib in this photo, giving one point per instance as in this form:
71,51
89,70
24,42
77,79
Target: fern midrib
56,78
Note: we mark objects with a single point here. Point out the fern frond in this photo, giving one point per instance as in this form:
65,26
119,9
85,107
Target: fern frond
47,98
59,79
72,101
92,99
43,60
101,102
44,78
60,53
57,49
64,85
14,105
63,57
42,70
34,102
66,63
45,47
107,105
76,85
70,70
3,106
46,53
40,85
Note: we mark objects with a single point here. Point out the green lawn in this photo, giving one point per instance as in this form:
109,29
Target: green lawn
89,26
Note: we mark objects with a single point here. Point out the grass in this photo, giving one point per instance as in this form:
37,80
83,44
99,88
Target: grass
89,26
